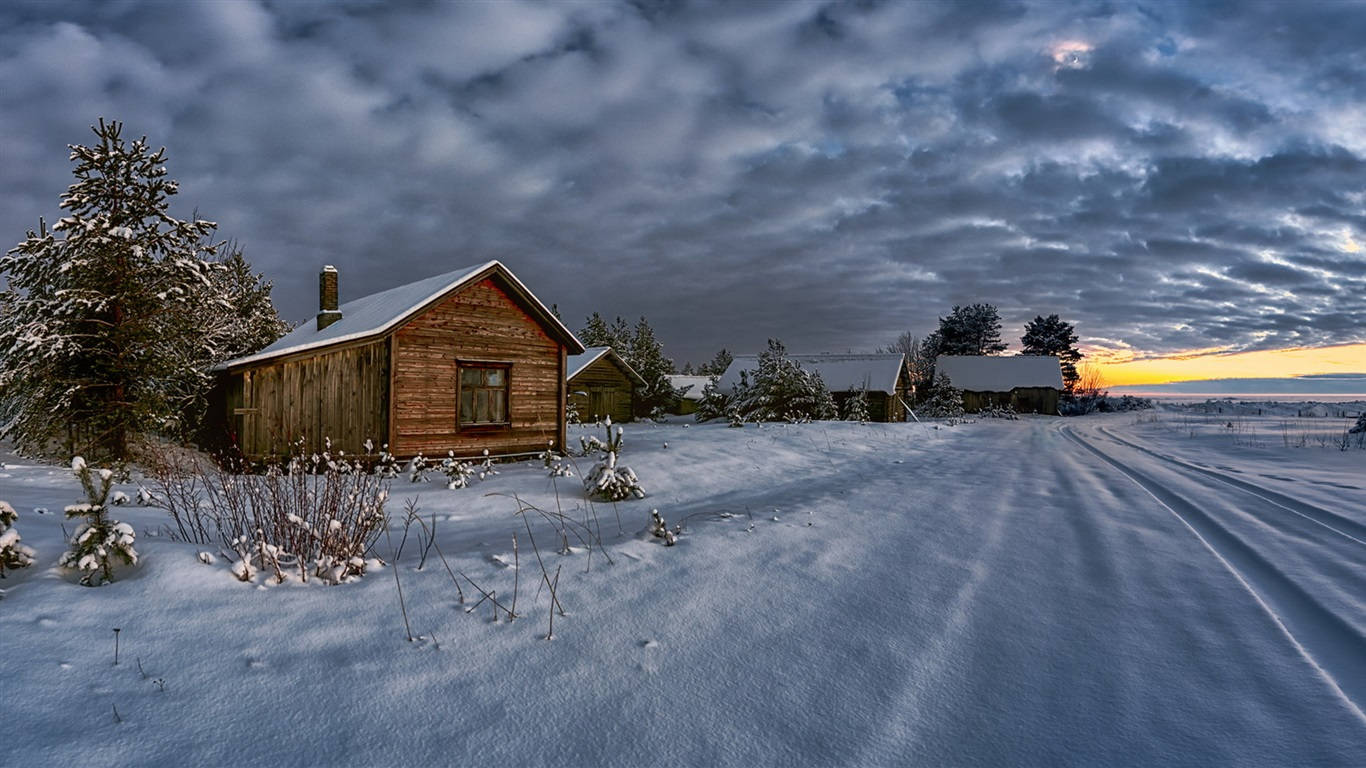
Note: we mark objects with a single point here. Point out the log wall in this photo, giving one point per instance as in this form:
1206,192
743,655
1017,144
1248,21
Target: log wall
479,323
607,392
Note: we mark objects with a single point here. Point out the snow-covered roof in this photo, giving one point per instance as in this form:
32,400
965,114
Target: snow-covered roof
985,373
381,312
694,385
575,364
841,373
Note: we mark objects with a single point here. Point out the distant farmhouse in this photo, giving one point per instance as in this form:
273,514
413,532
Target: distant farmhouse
466,361
883,375
691,388
1027,383
601,384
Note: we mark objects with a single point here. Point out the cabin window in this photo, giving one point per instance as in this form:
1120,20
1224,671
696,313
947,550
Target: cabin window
483,394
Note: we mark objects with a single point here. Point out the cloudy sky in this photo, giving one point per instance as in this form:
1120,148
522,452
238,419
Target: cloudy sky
1171,178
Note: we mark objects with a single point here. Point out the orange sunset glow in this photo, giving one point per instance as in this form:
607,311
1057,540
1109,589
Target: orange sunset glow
1119,369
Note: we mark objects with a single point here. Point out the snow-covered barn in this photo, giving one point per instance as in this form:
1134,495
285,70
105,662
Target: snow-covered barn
602,384
1027,383
883,375
465,361
691,388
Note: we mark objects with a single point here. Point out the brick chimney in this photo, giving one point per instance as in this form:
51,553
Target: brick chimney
327,297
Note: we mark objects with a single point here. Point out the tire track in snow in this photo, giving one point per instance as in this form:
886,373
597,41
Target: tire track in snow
1339,524
1327,642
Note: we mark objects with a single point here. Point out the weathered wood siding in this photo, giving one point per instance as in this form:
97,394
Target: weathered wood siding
479,323
341,394
606,391
1023,399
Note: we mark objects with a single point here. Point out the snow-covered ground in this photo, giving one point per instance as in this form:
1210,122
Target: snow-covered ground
1125,589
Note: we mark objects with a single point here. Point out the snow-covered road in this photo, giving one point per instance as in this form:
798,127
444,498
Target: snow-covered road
1033,592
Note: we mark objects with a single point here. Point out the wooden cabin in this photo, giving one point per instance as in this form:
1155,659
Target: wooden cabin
882,375
601,384
1026,383
465,361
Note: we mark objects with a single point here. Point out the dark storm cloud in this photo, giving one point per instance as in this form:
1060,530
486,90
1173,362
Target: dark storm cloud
1169,177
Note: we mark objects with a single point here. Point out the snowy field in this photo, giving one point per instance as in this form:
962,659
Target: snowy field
1158,588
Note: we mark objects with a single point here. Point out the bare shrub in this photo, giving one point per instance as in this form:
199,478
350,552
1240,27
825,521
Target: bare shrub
317,515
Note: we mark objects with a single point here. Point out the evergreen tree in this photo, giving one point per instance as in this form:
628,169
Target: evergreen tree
649,361
856,407
596,333
98,329
13,554
718,364
619,338
98,540
780,389
714,404
944,400
971,330
687,369
1051,336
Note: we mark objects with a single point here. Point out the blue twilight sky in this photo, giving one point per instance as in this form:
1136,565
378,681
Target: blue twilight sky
1170,176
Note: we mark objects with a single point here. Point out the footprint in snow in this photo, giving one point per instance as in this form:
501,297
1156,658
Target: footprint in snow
649,644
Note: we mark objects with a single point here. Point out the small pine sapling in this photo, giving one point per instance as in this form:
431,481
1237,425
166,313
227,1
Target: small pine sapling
418,469
554,463
12,553
856,407
606,479
457,472
99,539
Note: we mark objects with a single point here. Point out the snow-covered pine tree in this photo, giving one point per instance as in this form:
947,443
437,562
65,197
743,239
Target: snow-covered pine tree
687,369
595,333
944,401
1052,336
99,539
649,361
718,364
98,328
714,403
780,389
1360,426
619,338
856,407
13,554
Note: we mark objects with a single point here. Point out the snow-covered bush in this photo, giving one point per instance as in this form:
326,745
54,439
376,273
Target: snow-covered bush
458,472
606,479
781,390
314,515
417,469
12,553
386,466
99,540
856,407
945,401
999,412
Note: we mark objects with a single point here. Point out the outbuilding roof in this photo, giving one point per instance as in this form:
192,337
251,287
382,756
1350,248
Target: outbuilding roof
379,313
692,386
575,364
878,372
989,373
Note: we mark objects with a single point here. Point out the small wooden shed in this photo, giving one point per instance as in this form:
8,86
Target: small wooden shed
882,375
601,384
1027,383
466,361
